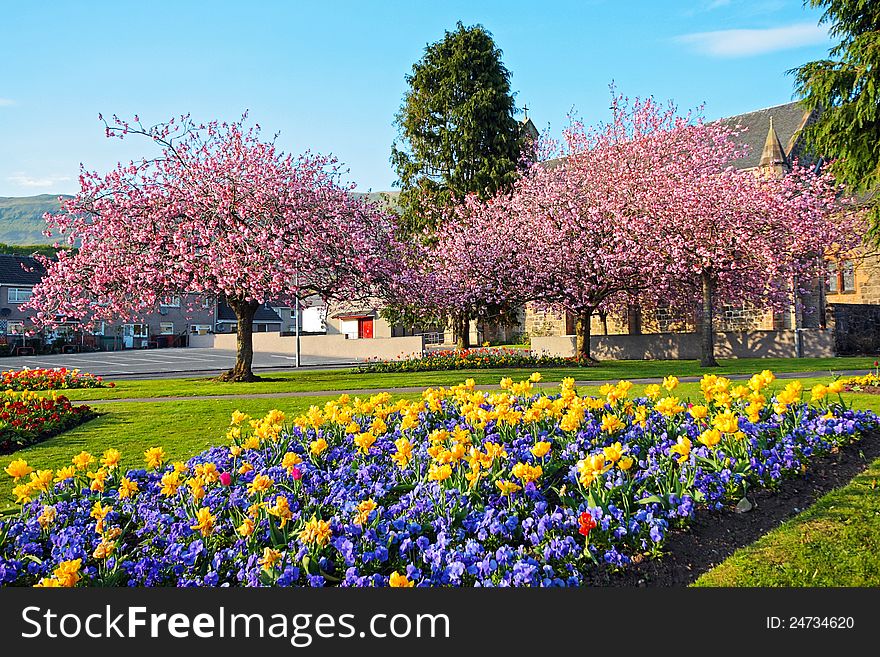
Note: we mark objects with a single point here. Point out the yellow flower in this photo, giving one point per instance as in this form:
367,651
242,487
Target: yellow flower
105,549
399,581
154,457
682,447
669,406
613,452
65,473
127,488
818,392
290,461
99,480
245,468
652,391
22,493
378,426
404,452
269,559
541,449
281,510
316,531
18,469
260,484
506,383
507,487
83,460
698,412
591,467
205,521
246,528
710,437
439,472
47,517
739,393
365,508
535,377
625,463
170,483
611,423
670,383
754,412
111,458
495,451
239,417
41,480
726,422
365,440
317,447
527,473
835,387
67,573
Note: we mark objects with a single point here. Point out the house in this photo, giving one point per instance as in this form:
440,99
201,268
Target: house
169,326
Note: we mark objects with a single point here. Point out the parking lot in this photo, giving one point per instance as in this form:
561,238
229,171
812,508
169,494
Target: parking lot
164,363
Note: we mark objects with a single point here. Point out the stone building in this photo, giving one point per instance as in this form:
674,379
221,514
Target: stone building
774,141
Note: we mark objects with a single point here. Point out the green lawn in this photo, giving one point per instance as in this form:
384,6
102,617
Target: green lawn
342,379
837,542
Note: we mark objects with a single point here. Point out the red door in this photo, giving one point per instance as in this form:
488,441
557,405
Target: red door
365,327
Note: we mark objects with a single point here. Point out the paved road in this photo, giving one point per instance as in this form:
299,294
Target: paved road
417,389
165,363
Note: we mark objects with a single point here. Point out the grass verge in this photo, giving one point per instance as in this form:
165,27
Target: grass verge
321,380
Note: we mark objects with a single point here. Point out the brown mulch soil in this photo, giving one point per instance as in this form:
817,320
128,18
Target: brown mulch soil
713,536
870,390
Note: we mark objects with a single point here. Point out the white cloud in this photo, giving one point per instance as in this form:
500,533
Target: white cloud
745,43
6,102
23,180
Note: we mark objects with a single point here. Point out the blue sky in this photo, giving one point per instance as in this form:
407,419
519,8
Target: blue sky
330,75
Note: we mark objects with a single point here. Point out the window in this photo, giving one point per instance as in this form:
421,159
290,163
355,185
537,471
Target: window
170,302
14,327
199,329
98,329
206,302
166,328
135,330
19,294
841,278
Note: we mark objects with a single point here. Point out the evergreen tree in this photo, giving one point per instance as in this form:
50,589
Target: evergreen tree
457,131
846,88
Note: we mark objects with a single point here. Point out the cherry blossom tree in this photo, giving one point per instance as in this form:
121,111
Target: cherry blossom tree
648,207
217,212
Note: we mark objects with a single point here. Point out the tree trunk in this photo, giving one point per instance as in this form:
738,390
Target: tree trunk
707,342
244,358
582,333
462,329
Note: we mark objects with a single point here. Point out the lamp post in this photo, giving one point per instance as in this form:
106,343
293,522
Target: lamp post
296,313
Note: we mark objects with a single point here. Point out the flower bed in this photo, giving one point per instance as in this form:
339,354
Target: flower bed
469,359
50,379
27,418
460,488
869,382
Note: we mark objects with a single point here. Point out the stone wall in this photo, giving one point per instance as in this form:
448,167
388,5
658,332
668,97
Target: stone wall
337,347
856,327
816,343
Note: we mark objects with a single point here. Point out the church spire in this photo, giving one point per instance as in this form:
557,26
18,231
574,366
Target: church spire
773,158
